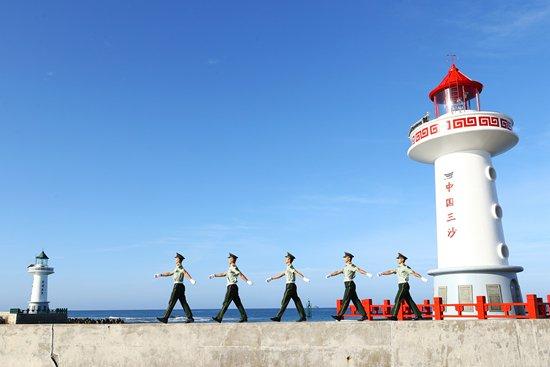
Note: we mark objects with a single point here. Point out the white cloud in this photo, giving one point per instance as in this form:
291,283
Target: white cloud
213,61
207,236
492,30
508,21
338,202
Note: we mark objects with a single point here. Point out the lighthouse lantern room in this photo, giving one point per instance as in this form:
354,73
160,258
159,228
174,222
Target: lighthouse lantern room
472,254
456,92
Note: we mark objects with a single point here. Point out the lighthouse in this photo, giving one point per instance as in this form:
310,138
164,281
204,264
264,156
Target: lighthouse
472,254
39,295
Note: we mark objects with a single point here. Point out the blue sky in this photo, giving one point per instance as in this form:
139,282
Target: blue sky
131,130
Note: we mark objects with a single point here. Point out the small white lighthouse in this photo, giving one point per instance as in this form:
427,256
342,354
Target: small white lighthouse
39,296
471,251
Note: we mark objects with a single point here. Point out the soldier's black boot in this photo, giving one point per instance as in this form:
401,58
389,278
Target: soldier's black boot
190,320
364,318
276,319
302,319
216,319
337,317
244,320
162,319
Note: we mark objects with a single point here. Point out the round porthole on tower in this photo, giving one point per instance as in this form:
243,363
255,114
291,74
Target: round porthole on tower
491,173
497,211
503,251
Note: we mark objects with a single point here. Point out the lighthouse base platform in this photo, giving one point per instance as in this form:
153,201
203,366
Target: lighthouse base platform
19,317
498,284
376,343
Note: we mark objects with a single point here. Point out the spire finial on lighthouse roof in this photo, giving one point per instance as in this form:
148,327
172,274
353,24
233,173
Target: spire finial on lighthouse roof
452,59
42,255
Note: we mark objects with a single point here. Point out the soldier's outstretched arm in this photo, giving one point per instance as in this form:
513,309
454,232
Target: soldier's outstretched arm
165,274
217,275
243,277
188,276
335,273
277,276
387,272
418,275
305,279
361,271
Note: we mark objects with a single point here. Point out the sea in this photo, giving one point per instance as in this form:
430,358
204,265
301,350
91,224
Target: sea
204,315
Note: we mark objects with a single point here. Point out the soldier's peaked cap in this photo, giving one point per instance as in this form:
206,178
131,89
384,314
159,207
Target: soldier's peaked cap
347,254
179,256
290,256
400,255
233,256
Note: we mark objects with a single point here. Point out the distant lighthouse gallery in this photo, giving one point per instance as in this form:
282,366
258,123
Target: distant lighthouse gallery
460,142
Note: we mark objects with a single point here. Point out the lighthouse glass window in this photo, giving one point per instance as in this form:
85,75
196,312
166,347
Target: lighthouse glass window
456,98
42,262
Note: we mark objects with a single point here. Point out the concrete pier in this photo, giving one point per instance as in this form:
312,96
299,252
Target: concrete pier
380,343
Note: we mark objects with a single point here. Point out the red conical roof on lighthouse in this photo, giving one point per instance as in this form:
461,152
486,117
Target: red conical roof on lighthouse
455,78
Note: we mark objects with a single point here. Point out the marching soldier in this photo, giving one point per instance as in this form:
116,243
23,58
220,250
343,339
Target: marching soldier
403,271
178,292
350,293
232,293
291,291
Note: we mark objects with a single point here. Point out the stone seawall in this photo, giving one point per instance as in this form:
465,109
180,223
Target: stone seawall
380,343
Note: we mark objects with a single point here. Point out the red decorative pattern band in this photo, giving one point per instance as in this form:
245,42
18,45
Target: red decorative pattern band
461,123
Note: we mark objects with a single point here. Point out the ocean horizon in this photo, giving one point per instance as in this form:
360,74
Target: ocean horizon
202,315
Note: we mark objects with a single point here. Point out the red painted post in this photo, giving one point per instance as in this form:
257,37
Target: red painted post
386,309
531,306
547,306
368,306
338,305
438,312
506,309
480,308
426,310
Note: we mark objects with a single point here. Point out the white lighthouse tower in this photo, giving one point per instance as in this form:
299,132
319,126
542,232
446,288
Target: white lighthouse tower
39,296
460,142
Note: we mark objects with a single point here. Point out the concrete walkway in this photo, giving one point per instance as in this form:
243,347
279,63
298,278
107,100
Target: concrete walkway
380,343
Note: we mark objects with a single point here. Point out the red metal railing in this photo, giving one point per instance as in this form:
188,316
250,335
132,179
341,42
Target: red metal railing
533,308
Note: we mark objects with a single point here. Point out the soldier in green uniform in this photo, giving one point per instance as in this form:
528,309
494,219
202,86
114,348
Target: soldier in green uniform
403,271
291,291
350,293
232,293
178,292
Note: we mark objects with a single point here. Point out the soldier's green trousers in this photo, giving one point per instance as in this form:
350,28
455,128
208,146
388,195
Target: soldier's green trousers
178,293
350,294
291,293
232,295
403,294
